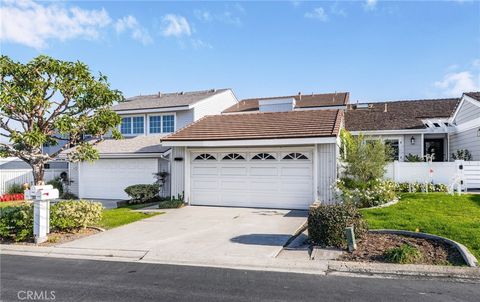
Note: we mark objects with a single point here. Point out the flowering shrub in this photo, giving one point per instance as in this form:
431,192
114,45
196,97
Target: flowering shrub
420,187
16,223
364,195
73,214
11,197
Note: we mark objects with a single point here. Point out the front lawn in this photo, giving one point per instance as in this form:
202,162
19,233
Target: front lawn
112,218
455,217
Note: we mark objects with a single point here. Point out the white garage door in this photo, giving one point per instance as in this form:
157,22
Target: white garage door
266,179
107,178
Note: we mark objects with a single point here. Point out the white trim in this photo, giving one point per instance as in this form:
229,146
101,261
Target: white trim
79,164
390,132
315,172
251,142
133,155
155,110
186,185
253,149
161,122
423,145
464,98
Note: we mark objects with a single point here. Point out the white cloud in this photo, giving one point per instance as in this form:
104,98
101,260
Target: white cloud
29,23
203,15
336,10
476,63
138,32
176,26
370,4
454,84
317,13
198,44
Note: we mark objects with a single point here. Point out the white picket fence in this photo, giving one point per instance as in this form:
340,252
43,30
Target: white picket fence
436,172
21,176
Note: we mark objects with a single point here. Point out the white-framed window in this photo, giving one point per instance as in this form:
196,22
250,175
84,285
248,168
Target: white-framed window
205,156
132,125
263,156
394,145
161,123
295,156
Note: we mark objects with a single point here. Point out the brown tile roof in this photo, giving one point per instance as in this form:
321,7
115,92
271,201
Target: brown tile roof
400,114
304,101
267,125
474,95
165,100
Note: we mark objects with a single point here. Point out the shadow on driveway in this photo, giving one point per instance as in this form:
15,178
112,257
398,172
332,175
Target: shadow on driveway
262,239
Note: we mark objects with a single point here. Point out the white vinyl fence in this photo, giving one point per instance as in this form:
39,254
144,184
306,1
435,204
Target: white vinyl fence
436,172
21,176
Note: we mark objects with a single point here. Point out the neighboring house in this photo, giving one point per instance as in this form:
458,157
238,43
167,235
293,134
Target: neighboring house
467,121
271,152
416,127
136,158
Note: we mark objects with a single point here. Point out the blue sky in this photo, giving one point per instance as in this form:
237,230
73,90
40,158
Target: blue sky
376,50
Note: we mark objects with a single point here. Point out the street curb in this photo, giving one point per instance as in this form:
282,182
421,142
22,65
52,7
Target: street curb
405,270
469,258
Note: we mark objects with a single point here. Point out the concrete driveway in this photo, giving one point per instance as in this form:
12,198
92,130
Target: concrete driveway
203,235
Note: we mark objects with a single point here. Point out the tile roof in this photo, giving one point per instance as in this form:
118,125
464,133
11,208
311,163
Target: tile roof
303,101
474,95
399,114
266,125
165,100
142,144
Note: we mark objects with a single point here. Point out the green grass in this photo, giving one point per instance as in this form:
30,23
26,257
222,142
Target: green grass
454,217
113,218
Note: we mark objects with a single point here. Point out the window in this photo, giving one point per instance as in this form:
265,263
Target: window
168,123
295,156
155,124
161,123
138,125
233,156
263,156
126,126
394,147
205,156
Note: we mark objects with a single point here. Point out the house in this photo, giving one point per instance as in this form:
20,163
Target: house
437,127
467,121
136,158
276,152
413,127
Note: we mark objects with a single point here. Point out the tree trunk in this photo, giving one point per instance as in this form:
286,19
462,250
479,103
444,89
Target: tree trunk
38,173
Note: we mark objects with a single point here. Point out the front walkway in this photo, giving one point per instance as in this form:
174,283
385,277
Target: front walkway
201,235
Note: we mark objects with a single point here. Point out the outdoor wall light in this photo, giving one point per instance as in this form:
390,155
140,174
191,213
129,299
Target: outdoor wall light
412,140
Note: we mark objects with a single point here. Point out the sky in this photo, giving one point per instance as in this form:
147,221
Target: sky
376,50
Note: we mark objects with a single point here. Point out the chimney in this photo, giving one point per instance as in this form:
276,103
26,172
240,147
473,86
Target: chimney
299,96
386,108
159,94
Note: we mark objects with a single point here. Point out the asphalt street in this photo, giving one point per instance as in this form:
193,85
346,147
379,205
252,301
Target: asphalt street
53,279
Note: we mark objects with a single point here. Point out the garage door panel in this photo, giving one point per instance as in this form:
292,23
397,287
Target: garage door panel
107,178
206,184
295,187
263,171
296,171
201,170
233,185
234,171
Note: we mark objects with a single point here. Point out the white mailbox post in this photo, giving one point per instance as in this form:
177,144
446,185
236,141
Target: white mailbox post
41,210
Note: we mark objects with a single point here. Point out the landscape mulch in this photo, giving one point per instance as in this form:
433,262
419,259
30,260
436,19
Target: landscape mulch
56,238
372,247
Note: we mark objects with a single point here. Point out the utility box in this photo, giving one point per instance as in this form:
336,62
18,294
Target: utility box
41,210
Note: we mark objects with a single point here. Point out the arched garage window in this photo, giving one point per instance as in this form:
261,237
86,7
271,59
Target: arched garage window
233,156
263,156
205,156
295,156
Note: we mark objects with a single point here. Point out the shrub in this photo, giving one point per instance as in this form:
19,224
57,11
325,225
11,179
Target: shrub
171,204
462,154
15,189
326,224
16,222
413,158
73,214
57,184
364,195
68,195
142,193
403,254
413,187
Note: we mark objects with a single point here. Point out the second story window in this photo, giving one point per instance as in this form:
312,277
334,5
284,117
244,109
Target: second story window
126,126
161,123
132,125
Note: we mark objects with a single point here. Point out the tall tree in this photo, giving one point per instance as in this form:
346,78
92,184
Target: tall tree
45,101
